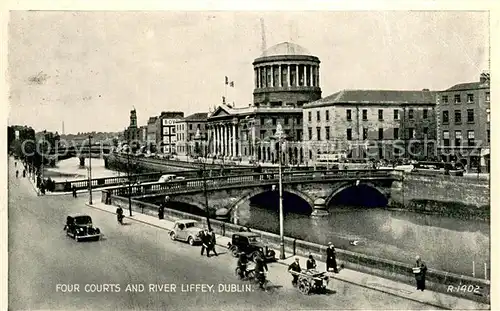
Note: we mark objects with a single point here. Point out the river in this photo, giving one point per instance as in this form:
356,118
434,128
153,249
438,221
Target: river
69,169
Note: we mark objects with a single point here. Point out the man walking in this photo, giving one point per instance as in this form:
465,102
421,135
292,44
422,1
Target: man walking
331,260
211,244
205,241
295,267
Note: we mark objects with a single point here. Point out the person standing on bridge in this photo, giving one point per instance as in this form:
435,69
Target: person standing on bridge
419,271
74,191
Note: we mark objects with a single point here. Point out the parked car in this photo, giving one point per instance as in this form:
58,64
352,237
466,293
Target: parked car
80,227
250,243
166,177
186,230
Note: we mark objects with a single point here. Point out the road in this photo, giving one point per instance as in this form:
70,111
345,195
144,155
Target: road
41,256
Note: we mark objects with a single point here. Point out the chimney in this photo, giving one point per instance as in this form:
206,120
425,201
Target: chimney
425,90
485,77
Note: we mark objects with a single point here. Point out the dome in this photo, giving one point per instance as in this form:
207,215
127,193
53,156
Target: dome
285,48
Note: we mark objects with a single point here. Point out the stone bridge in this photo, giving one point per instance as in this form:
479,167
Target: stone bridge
227,194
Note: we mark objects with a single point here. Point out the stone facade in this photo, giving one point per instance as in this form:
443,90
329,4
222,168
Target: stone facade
167,131
187,144
370,124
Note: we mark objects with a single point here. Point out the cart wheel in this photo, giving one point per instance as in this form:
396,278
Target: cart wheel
304,287
251,275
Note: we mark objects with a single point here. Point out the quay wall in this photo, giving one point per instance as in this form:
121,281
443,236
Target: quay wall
453,196
436,280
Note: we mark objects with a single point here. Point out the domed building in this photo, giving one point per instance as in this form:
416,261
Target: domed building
286,74
286,77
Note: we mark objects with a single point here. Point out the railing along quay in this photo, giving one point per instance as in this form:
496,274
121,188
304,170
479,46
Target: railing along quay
247,180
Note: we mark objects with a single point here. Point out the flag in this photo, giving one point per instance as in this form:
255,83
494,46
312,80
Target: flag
231,84
227,80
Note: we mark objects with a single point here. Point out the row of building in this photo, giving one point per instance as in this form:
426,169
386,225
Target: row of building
449,125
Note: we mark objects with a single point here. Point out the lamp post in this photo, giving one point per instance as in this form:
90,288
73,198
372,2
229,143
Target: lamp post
197,138
129,181
280,136
90,170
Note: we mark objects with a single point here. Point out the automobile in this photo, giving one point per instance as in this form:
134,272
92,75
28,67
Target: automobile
80,227
250,243
166,177
186,230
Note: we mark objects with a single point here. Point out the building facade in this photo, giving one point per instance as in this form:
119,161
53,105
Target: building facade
286,77
463,118
167,131
376,124
152,129
187,129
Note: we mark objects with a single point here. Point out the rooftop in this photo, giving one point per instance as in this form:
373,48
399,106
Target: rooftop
200,116
376,97
285,48
469,86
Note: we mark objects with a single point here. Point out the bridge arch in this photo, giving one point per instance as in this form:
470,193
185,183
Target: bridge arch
187,201
346,185
256,191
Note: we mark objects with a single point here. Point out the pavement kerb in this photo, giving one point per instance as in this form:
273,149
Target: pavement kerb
282,262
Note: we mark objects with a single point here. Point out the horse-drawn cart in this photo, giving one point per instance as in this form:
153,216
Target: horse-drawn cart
311,281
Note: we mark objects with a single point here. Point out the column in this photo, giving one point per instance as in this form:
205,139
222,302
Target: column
288,77
234,140
258,77
296,75
219,139
228,149
224,139
311,75
215,139
272,75
317,76
280,83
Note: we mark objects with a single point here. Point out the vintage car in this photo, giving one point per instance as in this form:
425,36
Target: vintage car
79,226
186,230
250,243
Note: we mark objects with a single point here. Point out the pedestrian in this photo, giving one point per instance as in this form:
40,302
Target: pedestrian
212,243
311,263
419,271
42,187
331,260
161,211
205,240
17,173
260,267
74,191
295,267
15,164
24,173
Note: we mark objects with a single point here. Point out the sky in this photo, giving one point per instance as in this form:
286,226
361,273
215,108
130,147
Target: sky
89,69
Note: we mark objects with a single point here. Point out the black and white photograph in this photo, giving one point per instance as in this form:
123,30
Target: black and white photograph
248,159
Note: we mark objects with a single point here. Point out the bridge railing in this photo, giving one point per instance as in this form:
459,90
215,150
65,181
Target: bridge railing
176,186
150,177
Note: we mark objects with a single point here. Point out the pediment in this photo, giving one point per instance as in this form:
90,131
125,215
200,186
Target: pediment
220,112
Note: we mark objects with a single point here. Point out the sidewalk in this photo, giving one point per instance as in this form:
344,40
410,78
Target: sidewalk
406,291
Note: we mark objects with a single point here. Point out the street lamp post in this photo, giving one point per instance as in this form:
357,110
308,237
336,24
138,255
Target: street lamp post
280,136
90,170
197,138
129,181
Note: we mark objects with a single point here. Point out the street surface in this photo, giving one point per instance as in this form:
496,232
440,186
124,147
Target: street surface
41,256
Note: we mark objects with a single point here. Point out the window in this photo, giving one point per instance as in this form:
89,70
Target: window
286,121
410,114
488,115
310,133
380,133
470,98
444,99
488,135
327,115
299,120
190,127
262,121
470,138
348,115
365,133
487,97
470,115
349,134
327,132
411,133
318,115
425,114
396,114
309,116
446,117
274,132
381,114
396,133
262,134
457,99
446,138
458,116
274,121
318,133
426,131
365,114
458,138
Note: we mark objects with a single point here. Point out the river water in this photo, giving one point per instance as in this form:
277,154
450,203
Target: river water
444,243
